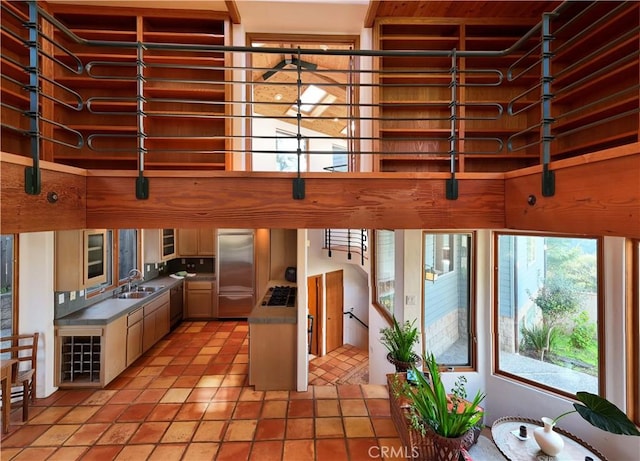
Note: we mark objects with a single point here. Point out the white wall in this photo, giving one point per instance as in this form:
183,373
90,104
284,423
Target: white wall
35,302
267,162
356,285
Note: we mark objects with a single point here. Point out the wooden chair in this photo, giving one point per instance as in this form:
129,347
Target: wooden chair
24,349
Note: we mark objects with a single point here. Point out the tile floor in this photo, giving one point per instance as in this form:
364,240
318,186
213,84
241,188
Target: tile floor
188,399
345,365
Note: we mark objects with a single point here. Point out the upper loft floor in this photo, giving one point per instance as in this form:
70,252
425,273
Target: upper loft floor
153,92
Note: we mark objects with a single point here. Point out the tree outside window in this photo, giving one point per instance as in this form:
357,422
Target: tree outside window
547,311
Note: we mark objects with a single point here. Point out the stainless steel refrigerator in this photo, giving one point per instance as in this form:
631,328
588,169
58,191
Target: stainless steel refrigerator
236,272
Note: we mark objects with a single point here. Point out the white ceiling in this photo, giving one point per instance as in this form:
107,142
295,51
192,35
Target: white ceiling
303,16
267,16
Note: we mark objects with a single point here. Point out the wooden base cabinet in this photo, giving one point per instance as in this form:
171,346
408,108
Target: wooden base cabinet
155,321
200,299
134,335
90,356
272,356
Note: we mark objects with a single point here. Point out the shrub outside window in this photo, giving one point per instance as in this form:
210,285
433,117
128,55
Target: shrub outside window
547,311
447,298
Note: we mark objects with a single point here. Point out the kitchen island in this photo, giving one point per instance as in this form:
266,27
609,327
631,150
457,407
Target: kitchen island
272,339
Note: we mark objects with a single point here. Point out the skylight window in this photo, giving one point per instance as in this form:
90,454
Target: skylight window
310,98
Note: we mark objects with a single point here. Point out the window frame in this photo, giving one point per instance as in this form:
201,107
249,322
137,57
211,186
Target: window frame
472,306
495,311
14,282
122,278
386,313
114,278
632,295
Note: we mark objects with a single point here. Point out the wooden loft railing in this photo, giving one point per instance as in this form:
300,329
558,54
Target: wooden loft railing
124,89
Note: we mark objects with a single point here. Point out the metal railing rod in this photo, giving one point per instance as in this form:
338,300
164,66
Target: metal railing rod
300,51
77,134
607,98
511,138
522,95
75,94
630,35
354,316
597,73
77,70
597,123
585,29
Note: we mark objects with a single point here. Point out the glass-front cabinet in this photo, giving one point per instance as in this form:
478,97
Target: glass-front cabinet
168,243
95,257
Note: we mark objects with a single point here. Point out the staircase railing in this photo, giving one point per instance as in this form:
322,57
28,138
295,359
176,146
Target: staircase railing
347,240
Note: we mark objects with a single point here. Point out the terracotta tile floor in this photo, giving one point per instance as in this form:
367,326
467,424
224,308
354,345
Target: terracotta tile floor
344,365
187,399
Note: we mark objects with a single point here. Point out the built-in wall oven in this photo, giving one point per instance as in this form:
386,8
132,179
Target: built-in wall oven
176,304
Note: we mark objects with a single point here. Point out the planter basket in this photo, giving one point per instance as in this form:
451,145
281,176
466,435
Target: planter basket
404,366
427,447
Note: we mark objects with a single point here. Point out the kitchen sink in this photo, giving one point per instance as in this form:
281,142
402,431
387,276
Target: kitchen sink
149,289
140,292
135,294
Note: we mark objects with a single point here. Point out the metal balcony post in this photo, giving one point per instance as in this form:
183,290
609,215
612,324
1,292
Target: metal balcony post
32,179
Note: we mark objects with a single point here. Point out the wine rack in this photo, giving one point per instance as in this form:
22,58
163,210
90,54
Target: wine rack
80,359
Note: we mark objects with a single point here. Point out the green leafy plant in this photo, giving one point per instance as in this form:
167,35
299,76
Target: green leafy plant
399,340
583,332
448,416
601,413
539,338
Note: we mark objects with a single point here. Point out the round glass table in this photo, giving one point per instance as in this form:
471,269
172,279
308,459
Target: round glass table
505,432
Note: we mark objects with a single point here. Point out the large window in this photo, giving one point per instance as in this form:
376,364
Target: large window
127,252
7,289
385,277
448,320
547,311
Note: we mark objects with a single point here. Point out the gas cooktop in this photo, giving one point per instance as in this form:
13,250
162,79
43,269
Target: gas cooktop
280,296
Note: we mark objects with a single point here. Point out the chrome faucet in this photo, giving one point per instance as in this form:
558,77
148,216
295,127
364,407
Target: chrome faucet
133,275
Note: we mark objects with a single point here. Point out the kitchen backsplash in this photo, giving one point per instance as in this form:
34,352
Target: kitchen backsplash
65,305
197,265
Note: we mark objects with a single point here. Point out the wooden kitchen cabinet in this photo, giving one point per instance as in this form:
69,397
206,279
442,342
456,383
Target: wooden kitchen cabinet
90,356
196,242
159,245
155,321
134,335
201,299
80,259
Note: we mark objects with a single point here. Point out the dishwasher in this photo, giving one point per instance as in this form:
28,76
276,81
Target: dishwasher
176,304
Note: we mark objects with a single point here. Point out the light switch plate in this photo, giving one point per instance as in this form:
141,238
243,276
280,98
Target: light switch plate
72,296
61,298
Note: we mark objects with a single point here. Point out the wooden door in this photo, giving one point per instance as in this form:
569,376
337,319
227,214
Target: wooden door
335,309
314,298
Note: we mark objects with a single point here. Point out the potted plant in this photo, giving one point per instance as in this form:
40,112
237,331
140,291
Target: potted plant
446,421
399,340
596,410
